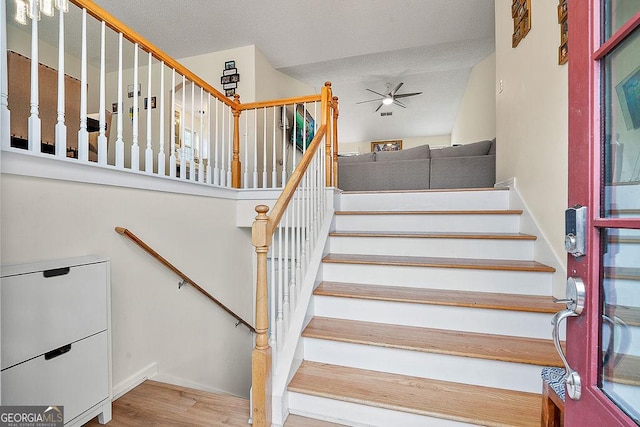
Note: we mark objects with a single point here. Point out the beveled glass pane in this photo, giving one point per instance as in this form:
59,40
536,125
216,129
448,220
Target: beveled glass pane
621,136
620,326
617,13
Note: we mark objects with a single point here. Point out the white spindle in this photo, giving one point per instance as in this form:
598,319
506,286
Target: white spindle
102,138
274,172
246,150
34,119
172,156
148,152
284,146
201,171
230,147
83,135
209,139
273,297
280,299
255,148
264,148
192,149
183,159
61,127
119,141
161,155
135,148
285,282
216,169
5,114
223,173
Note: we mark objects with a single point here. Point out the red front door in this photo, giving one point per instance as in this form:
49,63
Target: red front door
603,343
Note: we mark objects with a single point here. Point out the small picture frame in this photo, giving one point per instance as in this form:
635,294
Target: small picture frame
153,102
229,86
130,90
229,65
394,145
229,92
562,11
563,53
230,71
114,108
521,14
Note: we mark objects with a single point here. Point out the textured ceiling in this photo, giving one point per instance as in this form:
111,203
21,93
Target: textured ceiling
430,45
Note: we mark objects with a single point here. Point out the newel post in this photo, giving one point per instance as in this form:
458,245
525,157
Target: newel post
261,356
236,167
335,141
325,99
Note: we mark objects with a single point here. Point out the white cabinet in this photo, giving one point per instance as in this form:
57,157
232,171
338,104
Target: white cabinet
56,342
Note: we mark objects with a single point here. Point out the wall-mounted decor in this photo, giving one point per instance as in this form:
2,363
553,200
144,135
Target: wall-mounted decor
628,91
130,90
395,145
230,78
521,14
304,128
563,49
114,108
153,102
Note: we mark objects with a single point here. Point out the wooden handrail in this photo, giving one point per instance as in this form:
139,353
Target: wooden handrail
118,26
163,261
278,102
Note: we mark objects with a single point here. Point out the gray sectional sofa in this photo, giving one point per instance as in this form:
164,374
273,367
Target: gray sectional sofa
462,166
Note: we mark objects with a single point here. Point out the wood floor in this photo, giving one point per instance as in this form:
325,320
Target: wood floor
164,405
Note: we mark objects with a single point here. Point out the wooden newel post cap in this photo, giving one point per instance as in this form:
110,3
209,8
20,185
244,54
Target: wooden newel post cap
236,98
262,211
327,84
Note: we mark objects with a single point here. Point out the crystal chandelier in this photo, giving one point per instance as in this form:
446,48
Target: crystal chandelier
33,8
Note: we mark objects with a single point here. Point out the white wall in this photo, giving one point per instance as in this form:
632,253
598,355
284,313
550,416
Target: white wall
531,117
193,341
476,119
365,147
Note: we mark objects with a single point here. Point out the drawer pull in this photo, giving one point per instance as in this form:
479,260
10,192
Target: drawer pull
57,352
56,272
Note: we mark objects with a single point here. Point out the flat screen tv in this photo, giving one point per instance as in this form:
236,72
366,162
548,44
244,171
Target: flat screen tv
303,131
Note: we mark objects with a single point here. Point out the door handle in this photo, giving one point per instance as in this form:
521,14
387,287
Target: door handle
575,304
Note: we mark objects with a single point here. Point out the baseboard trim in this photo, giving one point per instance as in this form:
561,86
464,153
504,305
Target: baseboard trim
170,379
134,380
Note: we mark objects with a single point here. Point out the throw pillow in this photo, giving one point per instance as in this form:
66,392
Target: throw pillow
415,153
360,158
476,149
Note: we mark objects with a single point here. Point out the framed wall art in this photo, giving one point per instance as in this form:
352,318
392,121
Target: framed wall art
521,14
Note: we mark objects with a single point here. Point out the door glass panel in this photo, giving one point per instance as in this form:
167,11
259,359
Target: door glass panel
620,327
617,13
621,137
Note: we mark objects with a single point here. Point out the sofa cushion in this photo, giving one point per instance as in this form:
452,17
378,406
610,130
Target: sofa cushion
492,150
401,175
463,172
368,157
476,149
415,153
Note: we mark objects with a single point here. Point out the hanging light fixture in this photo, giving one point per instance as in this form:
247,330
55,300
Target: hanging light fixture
33,8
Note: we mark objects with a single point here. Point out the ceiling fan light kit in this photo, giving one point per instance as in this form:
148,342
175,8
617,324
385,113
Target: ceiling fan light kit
391,97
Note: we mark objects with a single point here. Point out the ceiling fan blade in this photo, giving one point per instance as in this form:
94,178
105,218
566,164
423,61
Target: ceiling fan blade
377,93
379,106
371,100
399,103
404,95
393,92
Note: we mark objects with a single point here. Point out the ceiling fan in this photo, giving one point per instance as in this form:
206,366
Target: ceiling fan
391,97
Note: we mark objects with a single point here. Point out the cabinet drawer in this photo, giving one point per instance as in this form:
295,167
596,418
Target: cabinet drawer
41,313
77,379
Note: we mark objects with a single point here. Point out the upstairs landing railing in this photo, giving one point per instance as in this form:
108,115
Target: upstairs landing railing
165,121
284,241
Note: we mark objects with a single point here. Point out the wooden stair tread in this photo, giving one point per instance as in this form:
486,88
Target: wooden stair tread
629,315
531,351
429,190
434,235
441,212
626,371
441,399
488,300
437,262
622,273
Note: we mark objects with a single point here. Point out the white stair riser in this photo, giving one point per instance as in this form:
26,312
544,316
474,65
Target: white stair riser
413,246
624,196
444,367
500,322
626,340
355,414
416,201
625,255
624,291
513,282
488,223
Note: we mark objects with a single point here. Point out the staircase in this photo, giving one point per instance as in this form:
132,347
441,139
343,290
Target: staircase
430,311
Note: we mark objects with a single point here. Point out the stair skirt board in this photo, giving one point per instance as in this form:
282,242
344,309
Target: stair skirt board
347,413
444,367
500,281
501,322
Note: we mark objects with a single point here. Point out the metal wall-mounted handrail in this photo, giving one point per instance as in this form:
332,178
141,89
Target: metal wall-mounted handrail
184,277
